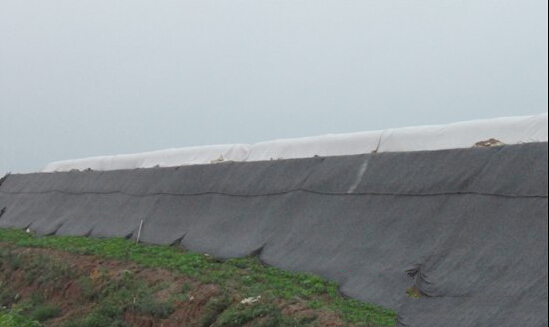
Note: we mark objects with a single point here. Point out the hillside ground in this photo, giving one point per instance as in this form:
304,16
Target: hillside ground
85,282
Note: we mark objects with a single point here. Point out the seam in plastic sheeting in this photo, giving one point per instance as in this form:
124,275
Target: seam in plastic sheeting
503,195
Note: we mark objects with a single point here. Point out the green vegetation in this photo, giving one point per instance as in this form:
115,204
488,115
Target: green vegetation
115,295
247,277
36,312
13,318
240,314
45,312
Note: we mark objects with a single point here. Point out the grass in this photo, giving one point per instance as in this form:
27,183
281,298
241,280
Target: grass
45,312
247,275
240,314
114,295
117,296
13,318
41,270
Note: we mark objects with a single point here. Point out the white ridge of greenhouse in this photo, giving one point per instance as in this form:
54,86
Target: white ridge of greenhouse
507,130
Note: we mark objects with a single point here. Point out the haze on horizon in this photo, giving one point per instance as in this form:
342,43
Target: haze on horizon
85,78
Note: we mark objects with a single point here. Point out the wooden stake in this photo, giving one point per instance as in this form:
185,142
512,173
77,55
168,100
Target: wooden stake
139,232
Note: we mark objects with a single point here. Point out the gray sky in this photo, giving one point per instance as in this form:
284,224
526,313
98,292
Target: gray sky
83,78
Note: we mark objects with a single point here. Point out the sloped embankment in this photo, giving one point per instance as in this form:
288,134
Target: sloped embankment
115,282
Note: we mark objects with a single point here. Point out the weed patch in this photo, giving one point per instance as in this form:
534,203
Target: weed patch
45,312
13,318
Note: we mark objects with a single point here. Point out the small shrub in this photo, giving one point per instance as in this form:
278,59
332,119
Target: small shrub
87,288
7,297
46,312
213,309
148,305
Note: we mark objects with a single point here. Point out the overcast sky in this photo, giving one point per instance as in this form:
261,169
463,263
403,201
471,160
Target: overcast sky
83,78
